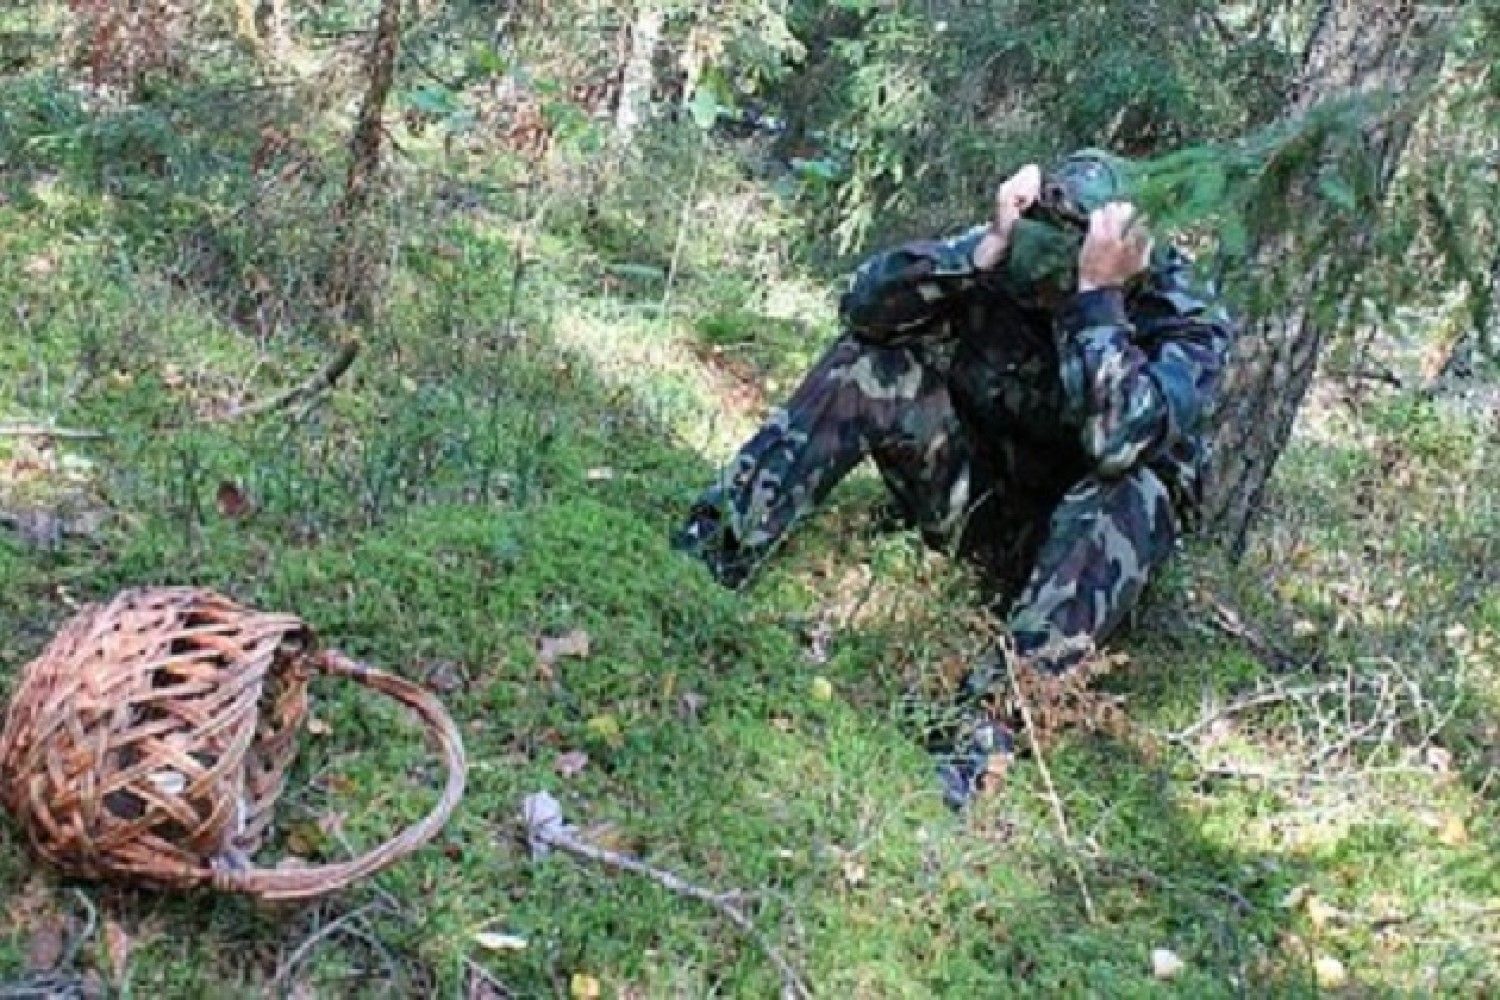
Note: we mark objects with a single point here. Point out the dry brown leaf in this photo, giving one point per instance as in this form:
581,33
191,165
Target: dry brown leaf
571,763
340,784
305,839
232,501
1452,832
552,648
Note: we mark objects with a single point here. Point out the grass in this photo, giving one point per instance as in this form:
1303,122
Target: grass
505,463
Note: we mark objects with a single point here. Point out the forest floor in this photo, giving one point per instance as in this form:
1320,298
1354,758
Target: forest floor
484,504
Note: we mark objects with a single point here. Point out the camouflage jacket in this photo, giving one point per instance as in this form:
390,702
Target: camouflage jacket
1112,380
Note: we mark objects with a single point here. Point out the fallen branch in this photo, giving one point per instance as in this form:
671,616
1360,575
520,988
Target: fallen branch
322,380
38,430
545,829
50,986
1229,621
1019,698
1257,699
1231,772
320,935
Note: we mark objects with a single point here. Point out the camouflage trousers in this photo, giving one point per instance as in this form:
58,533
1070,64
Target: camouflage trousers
1068,559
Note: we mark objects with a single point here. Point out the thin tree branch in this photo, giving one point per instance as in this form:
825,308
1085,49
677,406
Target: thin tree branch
1229,621
320,935
61,433
321,380
1256,699
1019,696
548,829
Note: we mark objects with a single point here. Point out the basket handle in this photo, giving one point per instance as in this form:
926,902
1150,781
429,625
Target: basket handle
282,885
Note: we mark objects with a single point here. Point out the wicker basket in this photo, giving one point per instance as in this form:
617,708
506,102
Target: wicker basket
150,741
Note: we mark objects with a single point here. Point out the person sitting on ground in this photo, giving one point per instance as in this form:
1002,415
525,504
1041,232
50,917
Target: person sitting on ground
1033,394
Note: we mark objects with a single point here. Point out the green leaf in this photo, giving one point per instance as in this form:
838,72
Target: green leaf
434,100
1337,191
822,169
1208,189
705,108
483,59
1234,238
639,272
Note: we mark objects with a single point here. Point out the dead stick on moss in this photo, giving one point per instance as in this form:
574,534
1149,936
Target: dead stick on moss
1257,699
323,379
791,983
1229,621
320,935
62,433
545,827
1019,695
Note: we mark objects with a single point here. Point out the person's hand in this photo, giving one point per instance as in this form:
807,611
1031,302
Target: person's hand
1116,249
1012,200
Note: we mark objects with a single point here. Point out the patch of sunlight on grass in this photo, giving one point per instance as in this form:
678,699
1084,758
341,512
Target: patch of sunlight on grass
642,354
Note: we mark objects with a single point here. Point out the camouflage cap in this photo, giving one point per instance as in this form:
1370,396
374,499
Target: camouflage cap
1042,260
1090,179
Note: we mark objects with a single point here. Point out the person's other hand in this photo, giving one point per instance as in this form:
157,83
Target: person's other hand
1014,197
1116,249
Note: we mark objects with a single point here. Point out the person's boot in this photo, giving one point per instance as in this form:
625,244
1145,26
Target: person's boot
976,761
976,752
705,536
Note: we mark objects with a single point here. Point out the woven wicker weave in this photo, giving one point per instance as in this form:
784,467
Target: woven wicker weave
150,741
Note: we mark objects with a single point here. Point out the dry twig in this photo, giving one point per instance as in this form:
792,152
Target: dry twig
1229,771
320,935
545,829
41,431
1022,705
1229,621
321,380
1256,699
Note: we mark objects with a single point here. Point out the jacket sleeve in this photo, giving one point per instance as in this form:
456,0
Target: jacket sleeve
904,294
1139,378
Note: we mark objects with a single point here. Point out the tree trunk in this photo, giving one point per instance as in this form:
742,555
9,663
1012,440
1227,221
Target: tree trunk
354,271
264,26
636,75
1356,46
274,27
364,145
